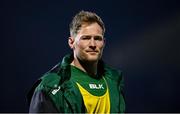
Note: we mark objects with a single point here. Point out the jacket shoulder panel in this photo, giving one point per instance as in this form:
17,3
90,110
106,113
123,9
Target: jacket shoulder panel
49,80
46,83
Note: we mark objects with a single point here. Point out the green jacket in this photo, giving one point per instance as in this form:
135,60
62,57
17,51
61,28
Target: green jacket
65,97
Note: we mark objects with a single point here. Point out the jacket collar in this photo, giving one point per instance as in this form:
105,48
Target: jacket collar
66,61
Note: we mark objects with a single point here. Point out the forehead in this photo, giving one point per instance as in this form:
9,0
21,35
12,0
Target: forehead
90,29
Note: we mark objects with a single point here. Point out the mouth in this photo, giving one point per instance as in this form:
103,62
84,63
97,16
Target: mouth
92,52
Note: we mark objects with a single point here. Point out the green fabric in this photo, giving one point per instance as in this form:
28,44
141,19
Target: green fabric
94,86
65,96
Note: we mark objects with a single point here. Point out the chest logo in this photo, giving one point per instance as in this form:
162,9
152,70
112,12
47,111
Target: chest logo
96,86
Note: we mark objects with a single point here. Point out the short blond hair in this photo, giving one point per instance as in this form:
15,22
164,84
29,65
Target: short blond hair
85,17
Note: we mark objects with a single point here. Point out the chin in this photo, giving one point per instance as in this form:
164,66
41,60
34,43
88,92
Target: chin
93,58
90,57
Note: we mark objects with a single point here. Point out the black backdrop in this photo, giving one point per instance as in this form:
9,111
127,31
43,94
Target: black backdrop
142,40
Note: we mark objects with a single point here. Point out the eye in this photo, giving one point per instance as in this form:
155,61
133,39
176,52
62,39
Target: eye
99,38
86,37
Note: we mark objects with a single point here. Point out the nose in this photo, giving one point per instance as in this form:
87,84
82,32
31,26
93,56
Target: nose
92,44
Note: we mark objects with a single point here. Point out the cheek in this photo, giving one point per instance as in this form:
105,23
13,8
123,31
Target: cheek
81,45
78,47
101,45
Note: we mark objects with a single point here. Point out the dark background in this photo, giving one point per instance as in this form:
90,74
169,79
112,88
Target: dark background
142,40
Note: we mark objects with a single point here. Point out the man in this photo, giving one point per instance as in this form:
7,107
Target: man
82,82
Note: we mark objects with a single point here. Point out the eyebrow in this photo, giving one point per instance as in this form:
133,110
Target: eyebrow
92,35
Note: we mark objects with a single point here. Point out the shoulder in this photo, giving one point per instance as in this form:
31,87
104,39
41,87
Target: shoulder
112,72
49,80
44,84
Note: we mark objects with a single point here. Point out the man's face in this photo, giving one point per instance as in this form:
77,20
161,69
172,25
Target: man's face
88,44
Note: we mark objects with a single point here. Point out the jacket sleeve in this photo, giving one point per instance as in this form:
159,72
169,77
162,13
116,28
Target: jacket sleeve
41,103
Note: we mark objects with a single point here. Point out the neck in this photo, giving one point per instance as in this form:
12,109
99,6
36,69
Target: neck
88,67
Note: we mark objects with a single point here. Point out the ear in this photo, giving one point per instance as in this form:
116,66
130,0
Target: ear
71,42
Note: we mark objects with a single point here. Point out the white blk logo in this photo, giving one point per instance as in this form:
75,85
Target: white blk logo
96,86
